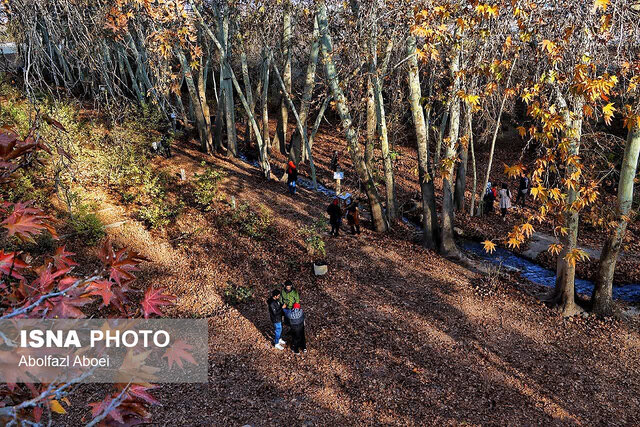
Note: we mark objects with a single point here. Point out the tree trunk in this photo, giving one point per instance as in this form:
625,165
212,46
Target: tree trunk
296,153
226,86
358,160
193,95
247,88
461,170
265,99
564,293
602,300
202,97
443,129
473,163
372,124
429,217
447,243
392,212
283,119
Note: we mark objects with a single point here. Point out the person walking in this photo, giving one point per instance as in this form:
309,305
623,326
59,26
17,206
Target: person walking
335,216
523,190
275,314
334,161
505,200
296,321
292,177
353,217
489,198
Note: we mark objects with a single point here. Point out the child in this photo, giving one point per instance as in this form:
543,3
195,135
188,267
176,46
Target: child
353,217
296,320
505,200
275,314
292,177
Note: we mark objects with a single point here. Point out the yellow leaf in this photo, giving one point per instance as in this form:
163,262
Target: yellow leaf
56,407
608,111
601,4
489,246
527,229
555,248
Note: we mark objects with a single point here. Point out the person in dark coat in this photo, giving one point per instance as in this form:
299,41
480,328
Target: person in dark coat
335,216
490,196
275,314
523,191
296,320
292,177
334,161
353,217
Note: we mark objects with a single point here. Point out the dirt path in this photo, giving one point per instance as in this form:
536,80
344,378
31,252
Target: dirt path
397,335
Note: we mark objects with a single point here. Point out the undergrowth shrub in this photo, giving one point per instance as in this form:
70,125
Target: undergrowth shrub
235,295
86,225
253,223
206,186
313,239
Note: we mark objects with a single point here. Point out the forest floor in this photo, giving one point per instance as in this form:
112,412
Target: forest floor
396,334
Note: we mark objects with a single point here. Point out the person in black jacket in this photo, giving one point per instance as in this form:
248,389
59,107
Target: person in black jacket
292,177
275,314
335,216
296,320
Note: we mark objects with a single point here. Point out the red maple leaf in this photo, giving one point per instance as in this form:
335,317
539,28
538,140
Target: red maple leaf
47,277
121,263
101,288
140,391
64,307
153,299
26,222
178,352
98,408
11,265
61,258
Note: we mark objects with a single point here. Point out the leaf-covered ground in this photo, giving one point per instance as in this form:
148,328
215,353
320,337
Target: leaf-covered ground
396,334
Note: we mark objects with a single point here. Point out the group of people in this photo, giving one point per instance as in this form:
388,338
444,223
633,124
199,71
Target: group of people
284,307
336,213
504,196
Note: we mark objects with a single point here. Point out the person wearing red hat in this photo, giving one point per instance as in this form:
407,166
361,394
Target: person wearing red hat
292,177
296,321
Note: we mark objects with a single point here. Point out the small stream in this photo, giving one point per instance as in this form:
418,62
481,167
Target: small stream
527,269
542,276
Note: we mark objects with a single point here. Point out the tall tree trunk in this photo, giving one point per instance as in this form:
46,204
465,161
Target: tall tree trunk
226,85
358,160
602,300
447,243
202,97
372,124
564,293
283,119
193,95
430,216
265,98
473,163
461,170
296,153
248,91
392,212
443,130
